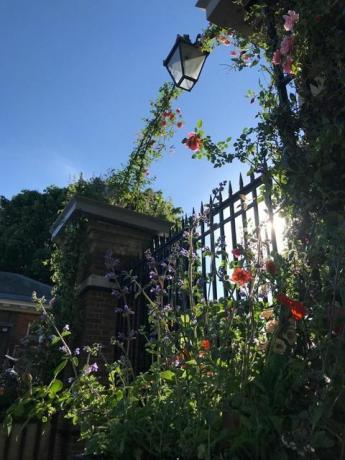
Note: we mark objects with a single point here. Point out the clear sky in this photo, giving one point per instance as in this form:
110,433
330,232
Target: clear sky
76,78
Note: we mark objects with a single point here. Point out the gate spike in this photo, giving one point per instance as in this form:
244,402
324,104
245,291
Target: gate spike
241,181
230,189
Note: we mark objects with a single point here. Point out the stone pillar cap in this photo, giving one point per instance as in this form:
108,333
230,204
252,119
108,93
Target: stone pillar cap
80,205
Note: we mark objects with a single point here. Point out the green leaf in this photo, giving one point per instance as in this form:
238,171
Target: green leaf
56,339
60,367
185,319
119,395
55,387
199,124
167,375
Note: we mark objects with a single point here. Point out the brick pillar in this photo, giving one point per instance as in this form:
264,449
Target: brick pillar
128,235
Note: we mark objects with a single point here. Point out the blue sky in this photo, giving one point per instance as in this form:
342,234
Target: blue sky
76,78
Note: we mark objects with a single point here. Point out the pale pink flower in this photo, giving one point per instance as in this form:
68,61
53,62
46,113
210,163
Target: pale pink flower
267,314
287,66
224,40
290,20
271,326
286,46
277,57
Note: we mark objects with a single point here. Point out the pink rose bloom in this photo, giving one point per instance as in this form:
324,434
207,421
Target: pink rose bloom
290,20
193,142
287,66
286,46
277,57
224,40
236,252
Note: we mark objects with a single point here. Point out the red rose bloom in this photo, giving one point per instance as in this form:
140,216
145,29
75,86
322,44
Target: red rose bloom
205,345
241,276
193,142
271,267
297,309
236,252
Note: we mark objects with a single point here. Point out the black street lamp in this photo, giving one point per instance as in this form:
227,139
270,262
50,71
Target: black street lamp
185,62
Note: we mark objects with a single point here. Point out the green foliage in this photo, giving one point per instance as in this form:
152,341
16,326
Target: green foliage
25,222
257,374
227,379
26,219
66,262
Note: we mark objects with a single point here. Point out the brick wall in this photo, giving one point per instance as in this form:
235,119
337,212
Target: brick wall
19,323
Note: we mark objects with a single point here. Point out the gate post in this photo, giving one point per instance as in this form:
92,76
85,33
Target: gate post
128,234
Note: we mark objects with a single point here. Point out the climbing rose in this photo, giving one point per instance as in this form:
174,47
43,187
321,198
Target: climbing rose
236,252
290,20
241,276
193,142
271,267
267,314
224,40
271,326
286,46
287,66
297,309
205,345
277,57
179,124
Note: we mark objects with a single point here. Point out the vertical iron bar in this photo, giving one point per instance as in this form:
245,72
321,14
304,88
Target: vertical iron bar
243,213
213,260
232,217
268,200
203,260
255,205
222,236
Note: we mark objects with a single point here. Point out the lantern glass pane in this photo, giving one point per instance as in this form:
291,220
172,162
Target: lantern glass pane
174,65
186,84
193,59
